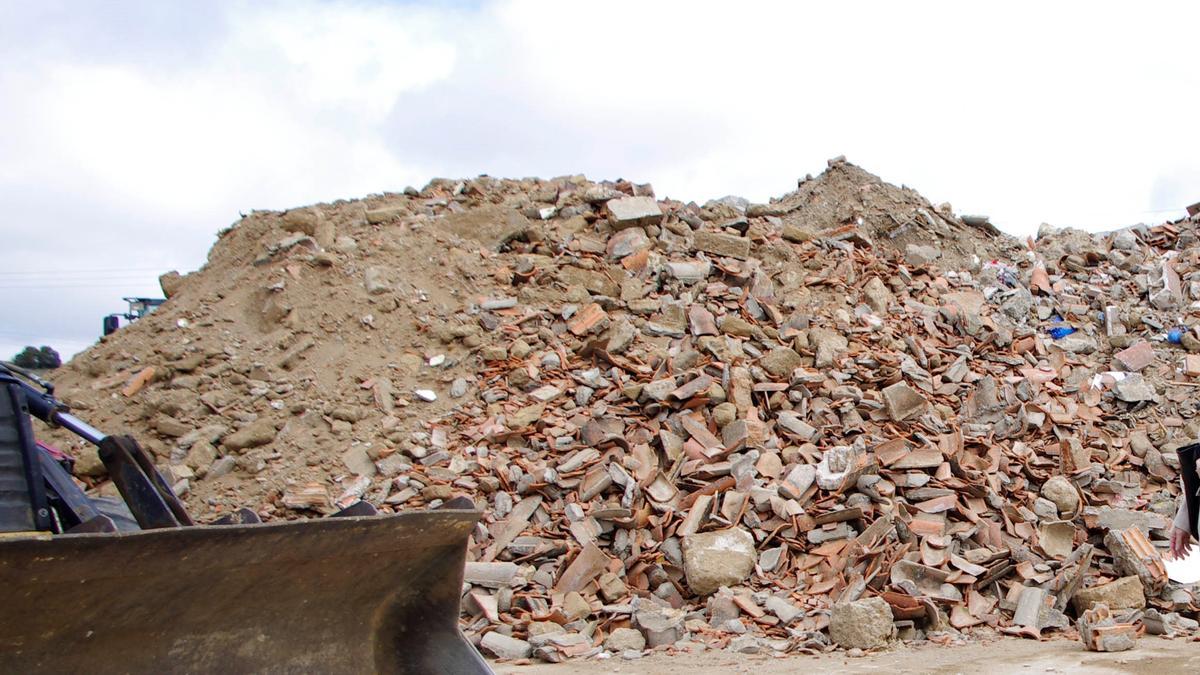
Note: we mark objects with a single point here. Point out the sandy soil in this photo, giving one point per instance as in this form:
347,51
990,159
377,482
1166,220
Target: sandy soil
1152,655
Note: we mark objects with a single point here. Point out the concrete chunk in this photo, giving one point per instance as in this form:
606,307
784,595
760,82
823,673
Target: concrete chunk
720,558
786,611
375,281
626,243
877,295
829,346
661,626
862,624
623,639
1124,593
725,245
259,432
920,256
1062,492
504,647
633,212
490,574
903,402
791,422
1031,604
780,362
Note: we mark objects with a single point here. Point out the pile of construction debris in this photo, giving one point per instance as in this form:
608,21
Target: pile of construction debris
840,419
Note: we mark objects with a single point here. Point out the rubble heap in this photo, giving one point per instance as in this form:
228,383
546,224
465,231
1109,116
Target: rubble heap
842,418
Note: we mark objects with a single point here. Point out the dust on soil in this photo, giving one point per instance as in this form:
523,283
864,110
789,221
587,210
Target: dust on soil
1153,656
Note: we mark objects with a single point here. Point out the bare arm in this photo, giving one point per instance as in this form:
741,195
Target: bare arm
1181,535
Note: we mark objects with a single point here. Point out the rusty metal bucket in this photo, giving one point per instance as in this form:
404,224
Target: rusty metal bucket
339,595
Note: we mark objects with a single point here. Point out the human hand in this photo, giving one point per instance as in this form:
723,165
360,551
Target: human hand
1181,543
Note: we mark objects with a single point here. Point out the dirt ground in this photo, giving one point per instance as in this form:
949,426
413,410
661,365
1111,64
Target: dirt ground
1152,655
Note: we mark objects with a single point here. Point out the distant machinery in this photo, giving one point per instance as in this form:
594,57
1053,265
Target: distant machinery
138,307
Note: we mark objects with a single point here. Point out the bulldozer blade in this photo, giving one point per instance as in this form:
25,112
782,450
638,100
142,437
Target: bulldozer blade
338,595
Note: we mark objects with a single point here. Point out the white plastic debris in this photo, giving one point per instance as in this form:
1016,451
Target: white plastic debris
427,395
1107,379
1185,570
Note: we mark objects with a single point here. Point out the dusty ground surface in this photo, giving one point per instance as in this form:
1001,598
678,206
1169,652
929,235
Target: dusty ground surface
1152,655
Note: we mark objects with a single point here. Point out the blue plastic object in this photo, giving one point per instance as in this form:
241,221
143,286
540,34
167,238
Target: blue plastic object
1175,336
1060,332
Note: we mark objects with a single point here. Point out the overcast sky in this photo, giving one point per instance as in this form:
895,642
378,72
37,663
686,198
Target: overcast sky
131,132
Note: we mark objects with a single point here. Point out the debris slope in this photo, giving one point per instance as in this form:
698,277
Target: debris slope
841,418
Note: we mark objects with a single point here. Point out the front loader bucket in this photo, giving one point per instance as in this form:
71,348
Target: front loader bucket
338,595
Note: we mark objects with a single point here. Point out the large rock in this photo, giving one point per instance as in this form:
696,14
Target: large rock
199,457
302,220
379,216
1077,343
505,647
903,402
797,234
721,244
1134,388
375,281
828,345
1113,518
1165,291
877,295
258,432
784,610
791,421
623,639
597,283
1125,240
325,234
633,212
780,362
1124,593
627,242
715,559
722,608
967,302
170,283
862,624
88,462
920,256
661,626
1062,492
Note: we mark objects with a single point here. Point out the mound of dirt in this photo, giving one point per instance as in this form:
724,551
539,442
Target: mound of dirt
675,417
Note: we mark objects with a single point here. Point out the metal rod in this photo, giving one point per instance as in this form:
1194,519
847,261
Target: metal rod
78,427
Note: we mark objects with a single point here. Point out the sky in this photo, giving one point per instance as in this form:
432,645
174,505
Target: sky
132,132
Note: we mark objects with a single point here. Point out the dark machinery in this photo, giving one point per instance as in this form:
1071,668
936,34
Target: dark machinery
138,307
137,586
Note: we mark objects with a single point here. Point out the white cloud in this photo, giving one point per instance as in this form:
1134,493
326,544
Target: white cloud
111,161
358,59
288,107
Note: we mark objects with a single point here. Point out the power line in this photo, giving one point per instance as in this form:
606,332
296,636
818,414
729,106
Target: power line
38,287
74,280
78,270
57,275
